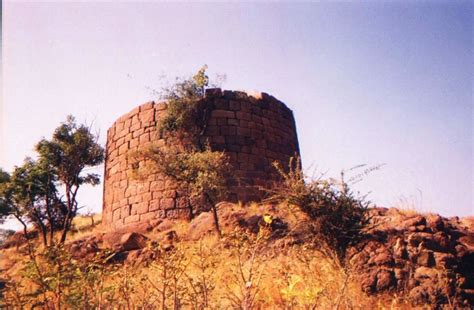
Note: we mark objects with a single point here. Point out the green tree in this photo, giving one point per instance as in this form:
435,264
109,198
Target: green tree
72,149
4,202
30,195
13,198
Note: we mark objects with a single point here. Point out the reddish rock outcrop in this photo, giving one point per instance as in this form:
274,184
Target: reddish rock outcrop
427,257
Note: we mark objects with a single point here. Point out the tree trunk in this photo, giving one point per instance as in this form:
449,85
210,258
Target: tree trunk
44,233
66,228
214,214
216,221
51,235
48,212
25,228
68,214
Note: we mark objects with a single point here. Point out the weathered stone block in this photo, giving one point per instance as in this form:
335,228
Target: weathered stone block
242,158
178,214
221,121
147,117
157,194
137,198
244,131
147,216
223,114
126,211
134,143
116,215
243,115
138,133
167,203
122,133
119,126
228,130
218,139
232,122
145,137
169,194
154,205
234,105
131,219
212,131
142,207
123,149
146,106
213,93
157,185
221,104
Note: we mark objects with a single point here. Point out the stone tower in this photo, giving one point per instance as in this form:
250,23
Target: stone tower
254,130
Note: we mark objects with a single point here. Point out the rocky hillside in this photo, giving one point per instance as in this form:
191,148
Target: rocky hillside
403,259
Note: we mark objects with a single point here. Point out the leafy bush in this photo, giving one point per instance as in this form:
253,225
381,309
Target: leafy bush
186,112
336,215
198,175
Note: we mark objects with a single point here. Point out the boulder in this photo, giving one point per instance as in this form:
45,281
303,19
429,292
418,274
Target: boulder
201,226
120,242
18,239
84,248
232,217
385,280
164,225
426,258
141,257
140,228
132,241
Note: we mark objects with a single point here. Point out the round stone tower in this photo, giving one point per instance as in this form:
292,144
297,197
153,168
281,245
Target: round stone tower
254,130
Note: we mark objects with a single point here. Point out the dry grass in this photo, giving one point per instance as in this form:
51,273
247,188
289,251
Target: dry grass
409,206
297,278
12,259
241,270
84,225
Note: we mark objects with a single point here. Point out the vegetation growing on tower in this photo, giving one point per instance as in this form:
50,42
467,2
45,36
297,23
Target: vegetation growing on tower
200,173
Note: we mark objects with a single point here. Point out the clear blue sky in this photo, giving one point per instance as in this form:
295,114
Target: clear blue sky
370,83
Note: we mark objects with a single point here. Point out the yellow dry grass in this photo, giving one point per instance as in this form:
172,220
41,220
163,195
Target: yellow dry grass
408,206
240,270
296,278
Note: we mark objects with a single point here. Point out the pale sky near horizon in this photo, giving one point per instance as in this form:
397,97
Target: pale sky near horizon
369,83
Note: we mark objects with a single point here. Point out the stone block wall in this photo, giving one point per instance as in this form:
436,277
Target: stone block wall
254,130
